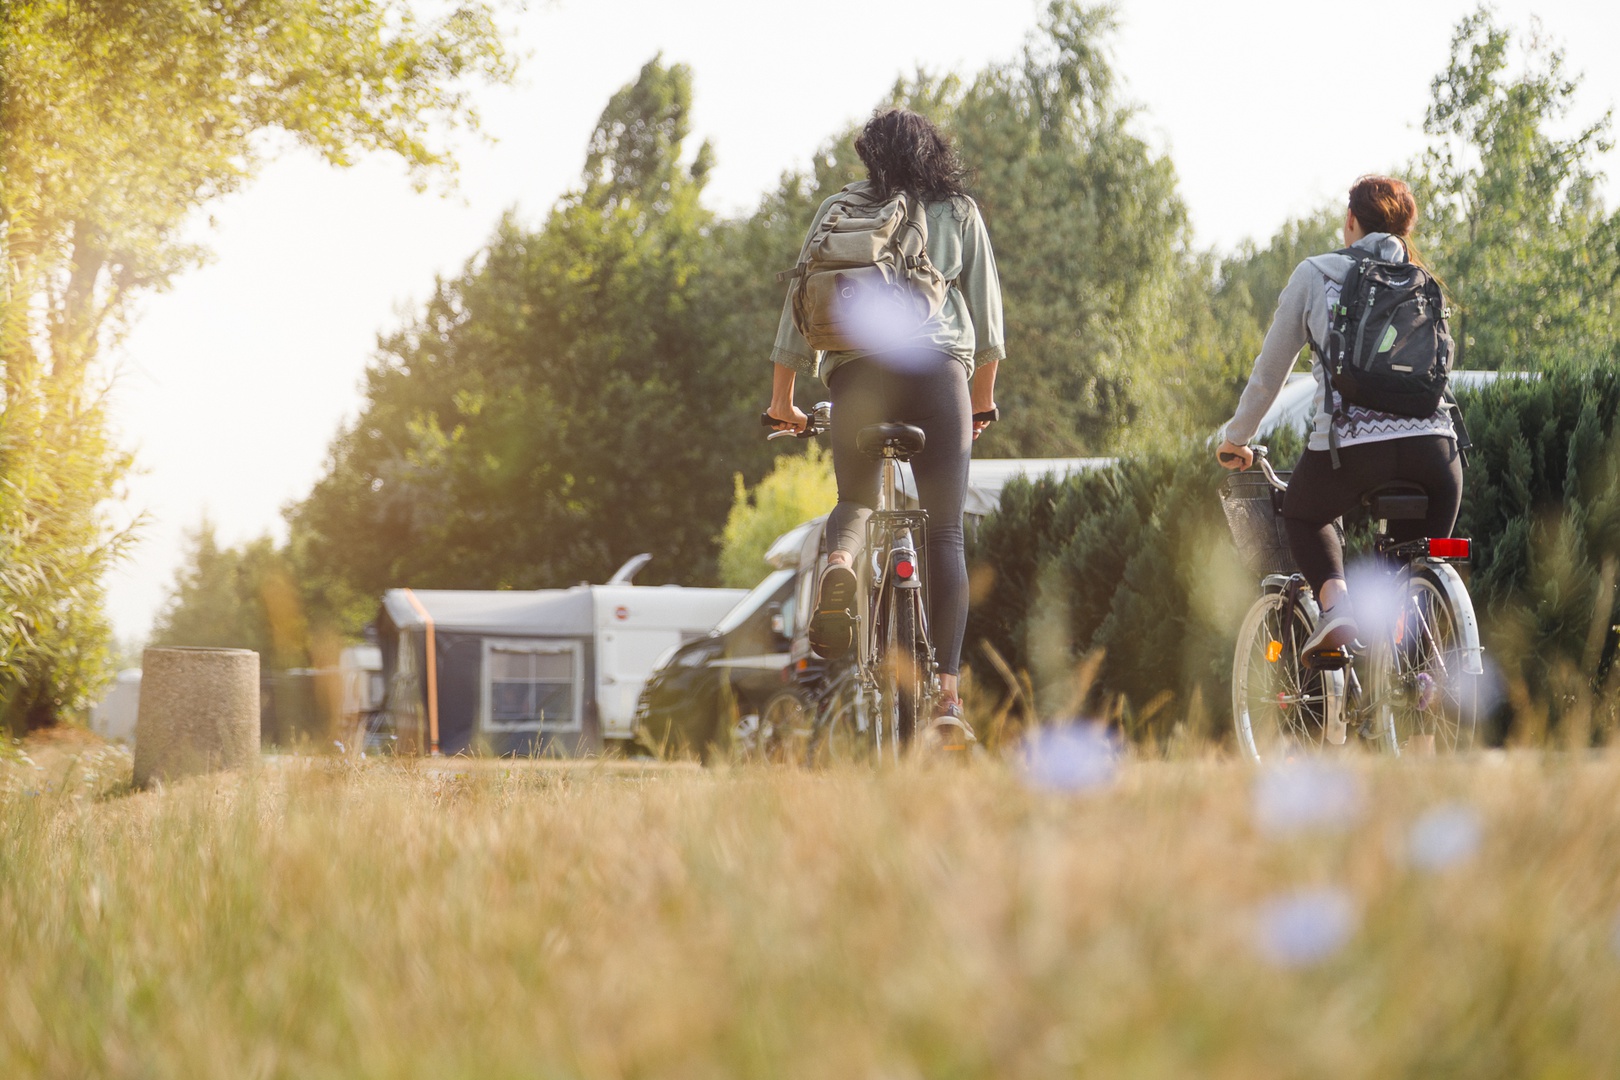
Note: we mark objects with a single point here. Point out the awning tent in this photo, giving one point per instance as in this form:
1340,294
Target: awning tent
552,671
552,611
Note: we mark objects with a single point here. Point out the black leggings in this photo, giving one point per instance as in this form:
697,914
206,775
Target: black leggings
1318,493
929,390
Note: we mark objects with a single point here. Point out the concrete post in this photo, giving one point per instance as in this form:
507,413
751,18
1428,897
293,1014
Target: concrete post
199,711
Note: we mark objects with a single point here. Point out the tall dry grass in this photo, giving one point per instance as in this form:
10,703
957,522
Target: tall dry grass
1178,920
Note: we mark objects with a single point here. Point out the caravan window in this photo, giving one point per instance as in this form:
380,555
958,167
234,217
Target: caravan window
530,685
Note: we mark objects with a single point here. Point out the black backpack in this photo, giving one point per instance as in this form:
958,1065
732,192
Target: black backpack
1388,346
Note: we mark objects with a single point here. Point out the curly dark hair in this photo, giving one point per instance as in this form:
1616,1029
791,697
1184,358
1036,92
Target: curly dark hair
903,151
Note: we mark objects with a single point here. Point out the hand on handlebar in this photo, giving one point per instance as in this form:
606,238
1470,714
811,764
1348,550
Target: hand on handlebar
983,418
1233,456
790,419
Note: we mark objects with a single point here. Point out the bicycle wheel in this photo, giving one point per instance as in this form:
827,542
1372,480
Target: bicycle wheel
1280,707
842,729
785,722
903,668
1425,693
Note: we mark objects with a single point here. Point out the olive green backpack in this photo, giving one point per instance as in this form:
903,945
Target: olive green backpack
864,279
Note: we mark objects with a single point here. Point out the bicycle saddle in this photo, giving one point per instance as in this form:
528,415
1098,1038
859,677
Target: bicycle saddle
1397,501
903,439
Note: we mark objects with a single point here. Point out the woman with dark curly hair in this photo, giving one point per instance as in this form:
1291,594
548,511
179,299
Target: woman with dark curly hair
935,376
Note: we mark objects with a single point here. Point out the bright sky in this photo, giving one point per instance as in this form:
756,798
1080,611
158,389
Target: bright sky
233,384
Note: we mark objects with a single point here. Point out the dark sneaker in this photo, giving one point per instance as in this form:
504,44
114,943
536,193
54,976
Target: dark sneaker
1333,637
832,626
948,732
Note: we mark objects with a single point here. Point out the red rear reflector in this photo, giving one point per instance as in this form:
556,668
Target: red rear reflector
1451,548
903,570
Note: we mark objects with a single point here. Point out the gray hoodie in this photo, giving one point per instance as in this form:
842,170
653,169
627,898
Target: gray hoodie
1302,317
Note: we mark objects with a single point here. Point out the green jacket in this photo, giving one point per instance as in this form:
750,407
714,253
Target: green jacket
968,327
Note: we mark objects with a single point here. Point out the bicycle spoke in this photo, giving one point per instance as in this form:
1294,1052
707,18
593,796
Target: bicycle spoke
1426,694
1281,706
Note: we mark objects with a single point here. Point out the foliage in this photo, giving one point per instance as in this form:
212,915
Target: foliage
1542,502
1089,234
119,121
561,405
1520,234
800,487
243,597
1128,567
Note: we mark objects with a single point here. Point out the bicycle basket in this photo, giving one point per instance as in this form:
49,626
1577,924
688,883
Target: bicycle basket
1254,514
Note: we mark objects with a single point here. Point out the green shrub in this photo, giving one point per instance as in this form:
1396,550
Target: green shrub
798,488
1111,589
1541,501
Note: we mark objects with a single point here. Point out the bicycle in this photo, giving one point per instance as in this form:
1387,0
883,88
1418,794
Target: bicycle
871,708
1423,660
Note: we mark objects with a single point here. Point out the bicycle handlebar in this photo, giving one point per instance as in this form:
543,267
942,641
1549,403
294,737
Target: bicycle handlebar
820,419
1261,458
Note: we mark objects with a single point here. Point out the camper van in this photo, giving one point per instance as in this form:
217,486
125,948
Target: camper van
549,672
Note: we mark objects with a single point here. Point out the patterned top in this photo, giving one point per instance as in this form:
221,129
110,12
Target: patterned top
1303,316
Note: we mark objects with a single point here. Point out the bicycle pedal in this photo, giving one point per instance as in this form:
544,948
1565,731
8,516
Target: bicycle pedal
1334,660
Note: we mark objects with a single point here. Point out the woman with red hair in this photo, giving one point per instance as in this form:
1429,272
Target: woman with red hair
1372,448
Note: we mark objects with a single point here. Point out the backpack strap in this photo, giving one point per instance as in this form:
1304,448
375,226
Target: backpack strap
1332,357
1460,426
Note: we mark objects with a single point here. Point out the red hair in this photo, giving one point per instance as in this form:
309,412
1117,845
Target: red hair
1383,204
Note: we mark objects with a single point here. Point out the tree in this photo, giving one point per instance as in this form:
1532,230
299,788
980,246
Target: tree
243,597
1520,235
566,402
119,121
799,488
588,390
1089,232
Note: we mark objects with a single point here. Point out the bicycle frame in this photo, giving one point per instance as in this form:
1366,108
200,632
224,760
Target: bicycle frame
893,538
891,586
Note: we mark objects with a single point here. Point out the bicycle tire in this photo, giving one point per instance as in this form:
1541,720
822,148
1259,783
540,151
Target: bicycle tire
785,721
1280,707
842,730
1427,698
907,663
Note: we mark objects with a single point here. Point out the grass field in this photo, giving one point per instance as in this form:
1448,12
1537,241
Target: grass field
1185,919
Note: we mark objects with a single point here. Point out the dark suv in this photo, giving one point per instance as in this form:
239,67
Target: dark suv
743,661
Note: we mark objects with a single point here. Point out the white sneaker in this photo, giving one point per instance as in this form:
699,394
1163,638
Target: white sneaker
1335,633
949,731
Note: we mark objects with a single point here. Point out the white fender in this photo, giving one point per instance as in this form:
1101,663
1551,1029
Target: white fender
1456,593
